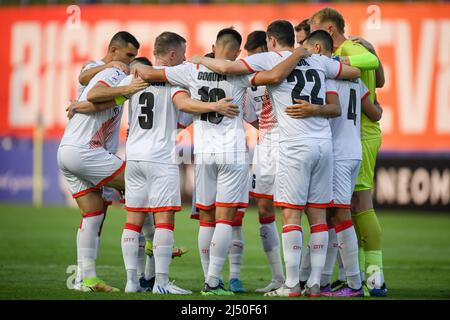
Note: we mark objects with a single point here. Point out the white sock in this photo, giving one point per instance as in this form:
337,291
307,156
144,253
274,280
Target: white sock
148,228
236,252
205,234
141,257
88,243
332,250
218,251
78,277
318,244
292,250
162,251
305,265
130,248
348,248
150,268
271,245
342,275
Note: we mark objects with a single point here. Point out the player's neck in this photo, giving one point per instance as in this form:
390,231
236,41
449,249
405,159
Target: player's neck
107,59
283,48
338,40
159,62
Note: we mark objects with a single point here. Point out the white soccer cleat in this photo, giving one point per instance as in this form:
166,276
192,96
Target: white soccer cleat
169,288
273,285
285,291
132,287
77,286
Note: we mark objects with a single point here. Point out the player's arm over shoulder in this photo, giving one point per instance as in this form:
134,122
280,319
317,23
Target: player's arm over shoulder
336,70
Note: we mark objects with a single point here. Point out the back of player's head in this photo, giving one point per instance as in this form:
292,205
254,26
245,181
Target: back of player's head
330,15
255,40
303,26
229,37
168,41
122,39
282,31
322,37
142,60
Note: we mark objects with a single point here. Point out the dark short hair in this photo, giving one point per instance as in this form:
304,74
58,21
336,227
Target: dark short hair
255,40
323,37
166,41
123,38
142,60
229,32
210,55
282,31
304,25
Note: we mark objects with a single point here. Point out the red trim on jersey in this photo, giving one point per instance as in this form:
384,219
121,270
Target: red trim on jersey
237,221
105,83
198,66
84,192
267,220
247,65
260,195
179,91
133,227
131,209
252,80
168,226
203,207
333,92
343,225
93,214
340,205
237,204
319,228
181,126
340,70
115,173
195,216
169,208
278,53
365,96
207,224
228,222
288,205
320,205
290,228
165,76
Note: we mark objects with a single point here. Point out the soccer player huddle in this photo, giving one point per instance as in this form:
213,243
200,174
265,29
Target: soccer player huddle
316,111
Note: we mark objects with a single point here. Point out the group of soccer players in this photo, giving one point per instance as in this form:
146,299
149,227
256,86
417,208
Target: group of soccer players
318,138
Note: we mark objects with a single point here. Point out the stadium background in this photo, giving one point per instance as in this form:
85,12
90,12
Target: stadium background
45,44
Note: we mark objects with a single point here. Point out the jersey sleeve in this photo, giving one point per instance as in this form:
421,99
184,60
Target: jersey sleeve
176,90
331,87
110,77
242,81
332,67
261,61
180,75
89,65
363,90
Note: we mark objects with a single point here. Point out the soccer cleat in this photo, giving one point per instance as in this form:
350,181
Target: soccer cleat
216,291
349,292
273,285
176,251
379,292
169,288
147,285
95,284
132,287
77,285
313,292
285,291
325,291
236,286
338,284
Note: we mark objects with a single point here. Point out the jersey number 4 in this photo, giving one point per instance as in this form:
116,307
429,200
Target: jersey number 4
147,102
213,95
351,112
311,76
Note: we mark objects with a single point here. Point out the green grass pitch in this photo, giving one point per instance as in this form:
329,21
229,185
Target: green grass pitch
38,245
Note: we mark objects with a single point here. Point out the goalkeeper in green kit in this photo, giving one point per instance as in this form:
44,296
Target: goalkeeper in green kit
359,53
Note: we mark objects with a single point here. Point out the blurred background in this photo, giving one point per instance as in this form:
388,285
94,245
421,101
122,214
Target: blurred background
46,42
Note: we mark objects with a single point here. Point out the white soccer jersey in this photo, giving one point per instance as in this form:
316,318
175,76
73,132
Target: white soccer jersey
87,66
153,123
185,119
213,133
346,129
306,82
95,130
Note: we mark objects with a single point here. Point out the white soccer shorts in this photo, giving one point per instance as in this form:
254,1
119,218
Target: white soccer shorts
221,180
87,170
264,169
152,187
345,175
305,174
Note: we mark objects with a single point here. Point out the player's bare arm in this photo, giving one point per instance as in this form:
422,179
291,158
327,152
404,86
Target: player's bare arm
372,110
282,70
221,66
101,92
87,75
149,73
224,106
87,107
348,72
304,109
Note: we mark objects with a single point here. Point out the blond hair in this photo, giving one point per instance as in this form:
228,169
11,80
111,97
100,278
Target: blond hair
330,15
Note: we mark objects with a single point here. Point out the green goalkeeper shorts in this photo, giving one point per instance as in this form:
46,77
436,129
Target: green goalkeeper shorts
370,149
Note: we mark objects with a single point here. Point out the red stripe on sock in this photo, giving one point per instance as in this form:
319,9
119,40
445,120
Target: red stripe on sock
168,226
133,227
292,228
319,228
207,224
92,214
267,220
343,225
229,222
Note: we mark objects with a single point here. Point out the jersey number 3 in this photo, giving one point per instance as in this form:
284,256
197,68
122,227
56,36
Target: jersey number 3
147,102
